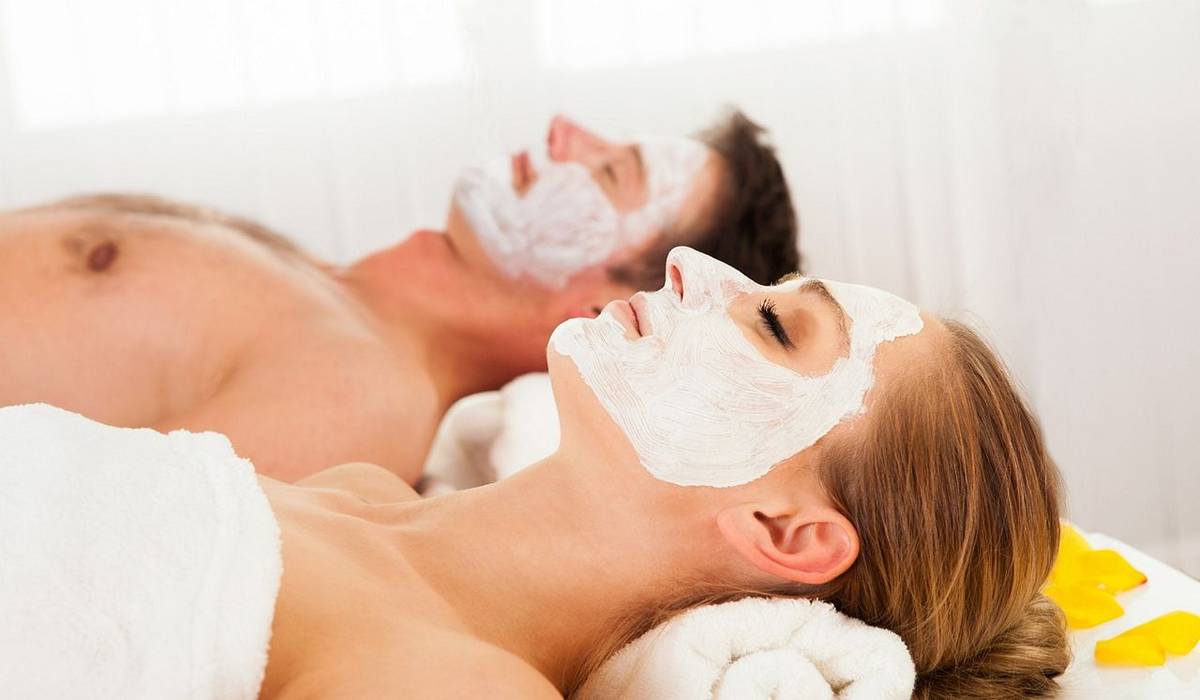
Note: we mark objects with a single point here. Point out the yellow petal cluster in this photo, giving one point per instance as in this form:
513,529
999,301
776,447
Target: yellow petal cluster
1085,581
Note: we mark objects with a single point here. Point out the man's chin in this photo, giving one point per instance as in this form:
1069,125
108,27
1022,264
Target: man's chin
429,242
464,243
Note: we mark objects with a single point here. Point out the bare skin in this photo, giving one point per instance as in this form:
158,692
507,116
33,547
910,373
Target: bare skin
140,312
147,320
354,618
505,591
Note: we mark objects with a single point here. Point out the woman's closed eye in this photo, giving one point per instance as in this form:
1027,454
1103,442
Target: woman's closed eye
770,320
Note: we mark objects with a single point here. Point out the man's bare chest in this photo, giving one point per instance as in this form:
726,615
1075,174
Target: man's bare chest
130,322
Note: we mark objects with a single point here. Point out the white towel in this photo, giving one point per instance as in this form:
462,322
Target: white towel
758,648
458,458
132,564
492,435
529,431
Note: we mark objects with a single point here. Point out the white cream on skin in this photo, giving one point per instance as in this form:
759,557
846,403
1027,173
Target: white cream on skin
699,403
564,223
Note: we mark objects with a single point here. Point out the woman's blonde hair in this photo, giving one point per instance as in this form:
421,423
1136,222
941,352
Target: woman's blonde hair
956,506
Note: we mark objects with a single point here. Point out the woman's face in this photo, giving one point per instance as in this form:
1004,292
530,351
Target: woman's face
714,379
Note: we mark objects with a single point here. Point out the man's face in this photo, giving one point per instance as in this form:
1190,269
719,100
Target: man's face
552,215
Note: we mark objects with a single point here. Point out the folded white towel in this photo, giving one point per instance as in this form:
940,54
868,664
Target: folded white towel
458,458
491,435
777,649
132,564
529,430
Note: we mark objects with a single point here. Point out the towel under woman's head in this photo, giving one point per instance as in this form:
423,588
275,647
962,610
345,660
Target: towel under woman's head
758,649
132,564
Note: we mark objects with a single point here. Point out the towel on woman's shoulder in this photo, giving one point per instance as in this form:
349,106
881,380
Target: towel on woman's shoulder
758,649
132,564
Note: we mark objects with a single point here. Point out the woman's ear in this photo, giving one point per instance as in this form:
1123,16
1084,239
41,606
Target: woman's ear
812,544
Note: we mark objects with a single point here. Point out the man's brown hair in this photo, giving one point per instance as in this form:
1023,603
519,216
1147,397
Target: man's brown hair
751,224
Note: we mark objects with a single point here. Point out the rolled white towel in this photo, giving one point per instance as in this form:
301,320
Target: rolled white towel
132,564
768,648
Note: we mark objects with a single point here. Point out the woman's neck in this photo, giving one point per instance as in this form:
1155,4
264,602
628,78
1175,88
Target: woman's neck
545,565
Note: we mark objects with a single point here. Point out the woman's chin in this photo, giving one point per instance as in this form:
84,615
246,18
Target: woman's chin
562,370
576,402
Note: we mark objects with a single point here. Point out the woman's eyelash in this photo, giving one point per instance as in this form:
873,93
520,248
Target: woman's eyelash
770,320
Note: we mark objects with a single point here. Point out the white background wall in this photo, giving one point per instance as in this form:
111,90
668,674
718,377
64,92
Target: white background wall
1035,162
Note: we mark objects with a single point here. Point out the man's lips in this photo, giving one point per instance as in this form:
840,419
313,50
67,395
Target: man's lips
522,172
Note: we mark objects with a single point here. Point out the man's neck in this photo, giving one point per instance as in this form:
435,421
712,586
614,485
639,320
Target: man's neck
542,565
418,304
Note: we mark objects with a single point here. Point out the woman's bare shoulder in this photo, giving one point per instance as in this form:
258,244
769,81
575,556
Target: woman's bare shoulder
445,666
370,482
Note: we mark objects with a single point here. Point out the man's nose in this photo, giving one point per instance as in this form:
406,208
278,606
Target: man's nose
567,141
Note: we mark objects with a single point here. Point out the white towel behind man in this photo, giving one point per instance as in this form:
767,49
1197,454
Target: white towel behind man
132,564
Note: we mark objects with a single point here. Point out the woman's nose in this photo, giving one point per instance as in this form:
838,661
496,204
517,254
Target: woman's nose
696,278
675,275
685,274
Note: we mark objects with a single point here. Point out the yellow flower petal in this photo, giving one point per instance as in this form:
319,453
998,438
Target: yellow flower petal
1071,541
1147,644
1078,563
1084,606
1134,650
1106,569
1179,631
1071,544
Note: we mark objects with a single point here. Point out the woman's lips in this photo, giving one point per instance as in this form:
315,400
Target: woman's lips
625,315
637,305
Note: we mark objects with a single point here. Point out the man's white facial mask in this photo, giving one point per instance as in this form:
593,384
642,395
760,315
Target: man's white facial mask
564,223
699,403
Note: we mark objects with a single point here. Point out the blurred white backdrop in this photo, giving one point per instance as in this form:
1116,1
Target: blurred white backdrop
1032,161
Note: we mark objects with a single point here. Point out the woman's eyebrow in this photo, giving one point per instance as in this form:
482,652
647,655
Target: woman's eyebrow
818,287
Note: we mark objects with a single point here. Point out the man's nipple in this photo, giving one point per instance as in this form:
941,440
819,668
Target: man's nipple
102,256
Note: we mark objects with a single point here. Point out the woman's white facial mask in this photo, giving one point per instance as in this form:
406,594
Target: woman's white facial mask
564,223
699,403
